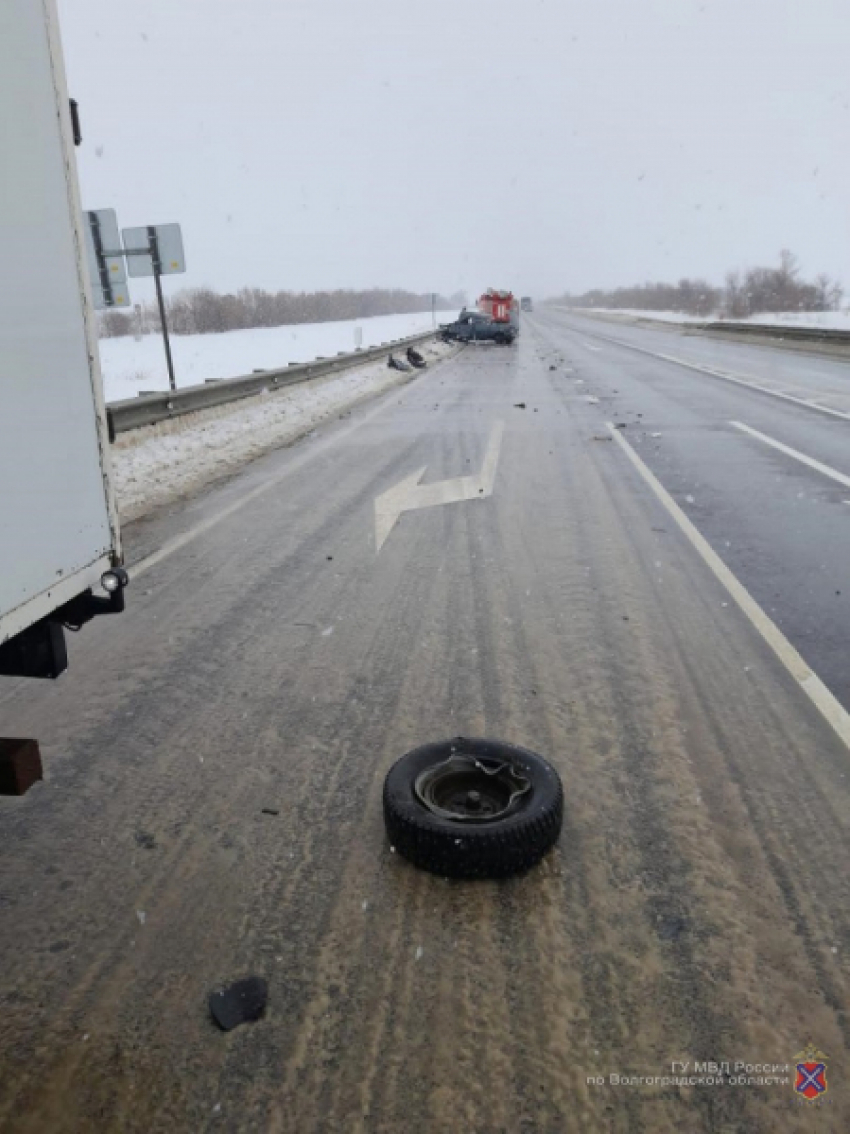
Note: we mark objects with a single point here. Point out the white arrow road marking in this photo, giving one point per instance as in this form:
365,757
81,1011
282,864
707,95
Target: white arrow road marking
409,494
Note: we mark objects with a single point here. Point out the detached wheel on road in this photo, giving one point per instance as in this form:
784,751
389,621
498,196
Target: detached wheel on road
468,808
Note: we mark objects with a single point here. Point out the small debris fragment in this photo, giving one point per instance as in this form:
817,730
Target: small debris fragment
141,915
553,367
602,437
240,1003
270,811
669,928
591,401
620,425
519,405
655,435
418,952
330,558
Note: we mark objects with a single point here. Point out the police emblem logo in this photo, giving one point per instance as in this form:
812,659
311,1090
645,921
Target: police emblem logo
810,1082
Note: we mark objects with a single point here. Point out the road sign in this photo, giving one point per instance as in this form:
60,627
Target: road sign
166,239
108,277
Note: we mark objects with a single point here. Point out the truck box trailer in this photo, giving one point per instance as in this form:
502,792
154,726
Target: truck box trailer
59,533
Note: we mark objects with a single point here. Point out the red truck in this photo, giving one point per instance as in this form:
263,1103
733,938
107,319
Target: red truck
500,306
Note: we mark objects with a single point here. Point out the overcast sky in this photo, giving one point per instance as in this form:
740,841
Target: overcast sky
544,145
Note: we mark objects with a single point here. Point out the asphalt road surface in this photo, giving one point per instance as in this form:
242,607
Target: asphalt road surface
215,757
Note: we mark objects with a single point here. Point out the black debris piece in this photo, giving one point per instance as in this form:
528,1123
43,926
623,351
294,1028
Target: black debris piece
20,765
519,405
240,1003
620,425
670,928
270,811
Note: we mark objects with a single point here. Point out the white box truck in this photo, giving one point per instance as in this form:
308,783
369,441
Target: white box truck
60,550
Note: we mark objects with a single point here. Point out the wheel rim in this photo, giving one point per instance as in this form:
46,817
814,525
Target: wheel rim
469,789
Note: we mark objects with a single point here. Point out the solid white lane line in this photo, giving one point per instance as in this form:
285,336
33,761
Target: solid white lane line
728,376
829,707
818,466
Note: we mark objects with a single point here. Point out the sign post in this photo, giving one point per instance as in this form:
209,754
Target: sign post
157,279
152,250
156,250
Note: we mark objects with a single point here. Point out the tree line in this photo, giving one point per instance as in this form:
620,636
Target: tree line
754,291
203,311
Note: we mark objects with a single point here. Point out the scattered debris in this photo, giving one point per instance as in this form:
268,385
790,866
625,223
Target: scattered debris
519,405
270,811
553,367
620,425
416,359
240,1003
145,839
419,952
330,558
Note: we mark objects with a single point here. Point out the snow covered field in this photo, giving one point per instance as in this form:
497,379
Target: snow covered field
130,367
840,320
161,463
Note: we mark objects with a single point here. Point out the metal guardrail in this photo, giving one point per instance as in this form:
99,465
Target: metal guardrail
148,409
778,331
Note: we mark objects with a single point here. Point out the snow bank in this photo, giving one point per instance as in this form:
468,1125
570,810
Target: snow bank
162,463
130,367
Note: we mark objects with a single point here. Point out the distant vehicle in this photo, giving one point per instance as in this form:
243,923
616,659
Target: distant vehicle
473,326
526,304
